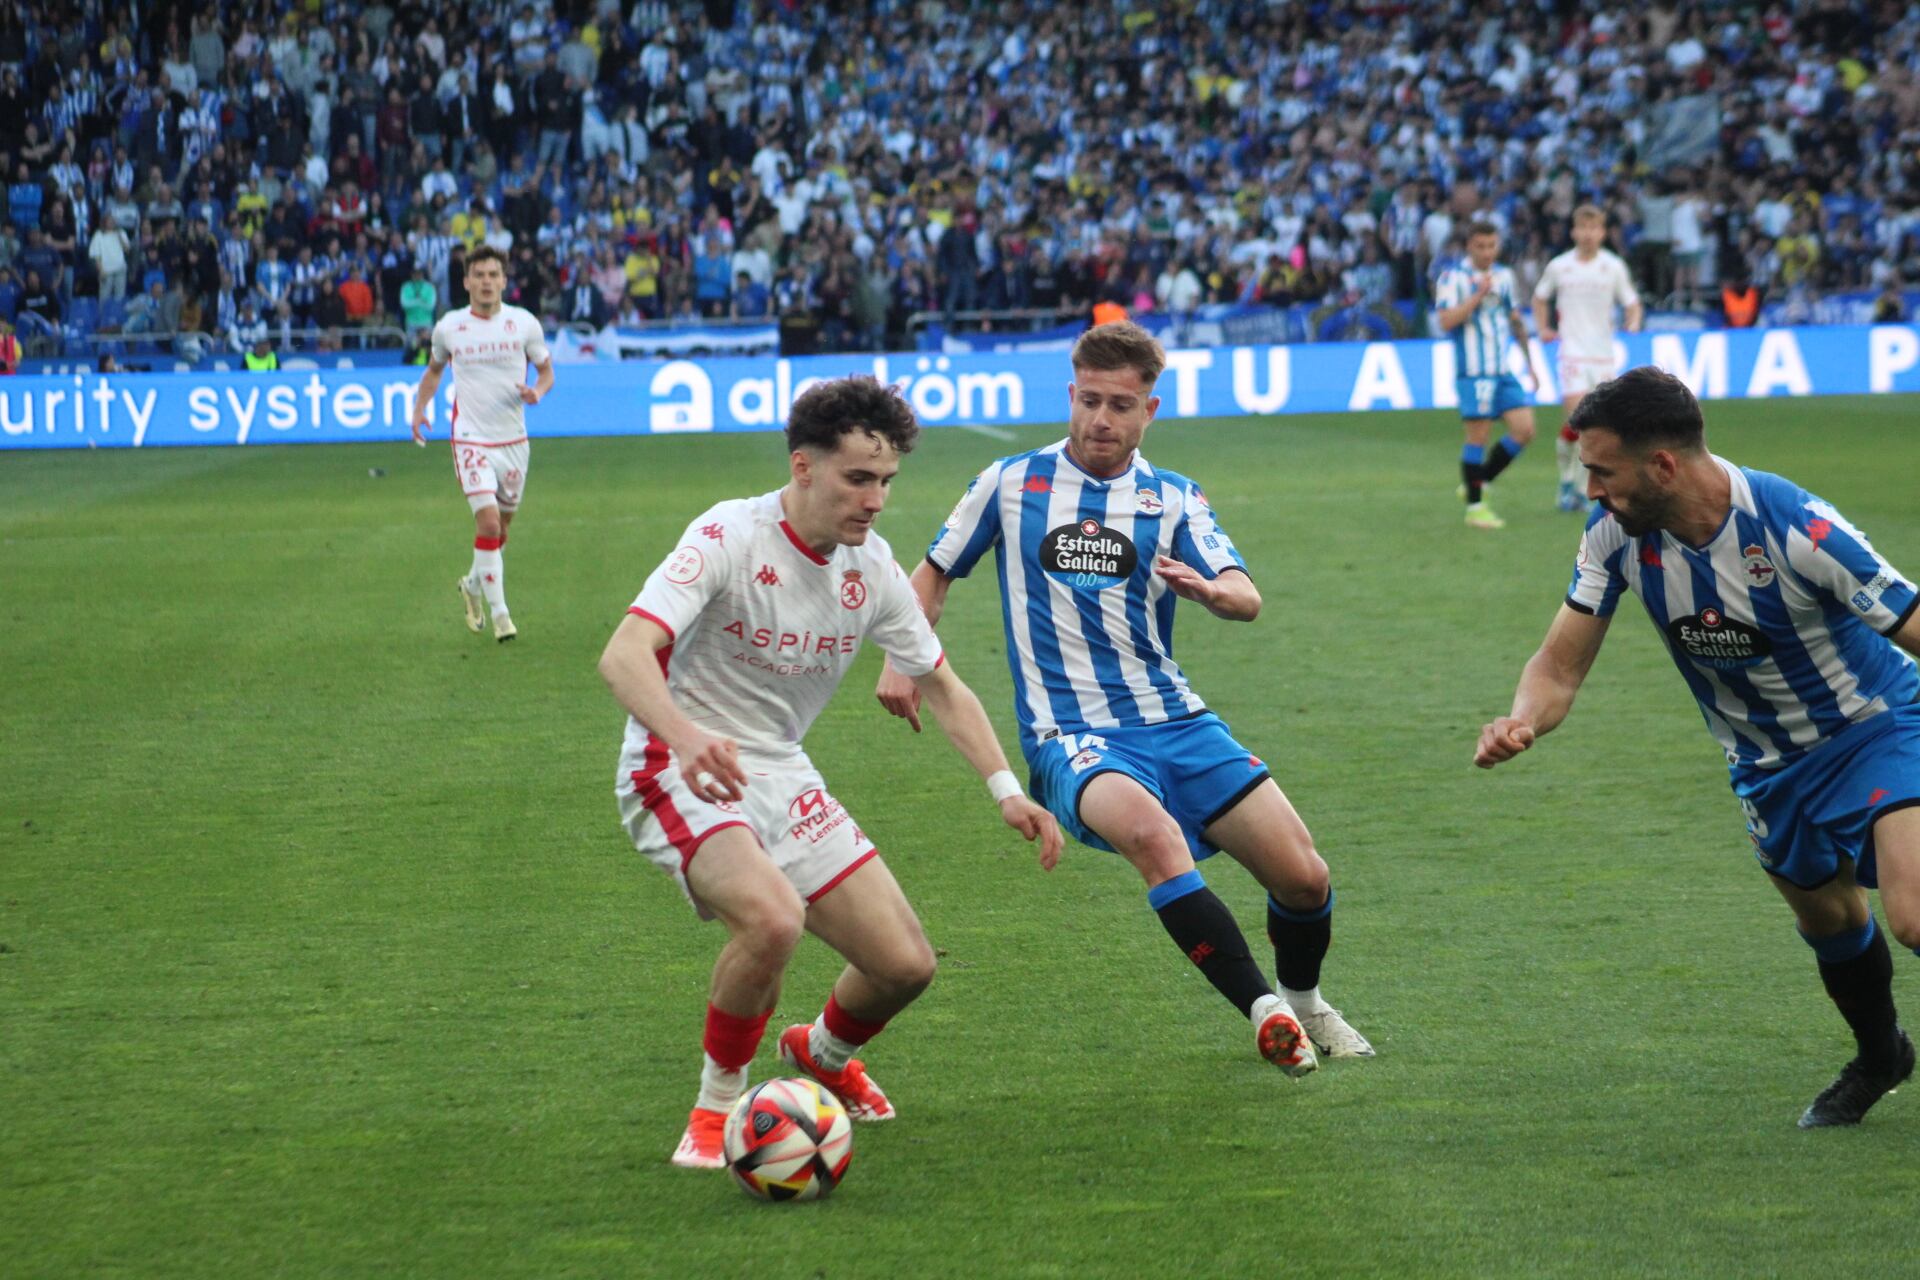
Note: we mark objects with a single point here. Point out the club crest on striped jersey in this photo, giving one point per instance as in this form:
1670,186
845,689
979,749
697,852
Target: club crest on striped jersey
1758,569
1087,553
1711,639
1147,501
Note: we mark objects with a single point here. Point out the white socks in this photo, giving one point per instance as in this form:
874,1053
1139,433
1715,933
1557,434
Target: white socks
719,1087
1304,1001
490,571
829,1050
1567,453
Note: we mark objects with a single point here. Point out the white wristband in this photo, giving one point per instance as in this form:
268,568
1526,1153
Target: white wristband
1002,785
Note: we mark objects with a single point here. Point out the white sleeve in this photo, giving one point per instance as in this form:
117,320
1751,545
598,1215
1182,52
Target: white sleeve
1448,293
537,353
1623,290
687,581
442,353
1549,283
900,628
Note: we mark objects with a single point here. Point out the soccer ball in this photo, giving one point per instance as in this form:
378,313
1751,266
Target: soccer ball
788,1140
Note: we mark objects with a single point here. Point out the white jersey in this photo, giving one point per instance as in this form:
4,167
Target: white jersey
490,358
1585,293
764,629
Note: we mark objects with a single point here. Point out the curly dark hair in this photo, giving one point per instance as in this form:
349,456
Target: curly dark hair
1648,408
828,410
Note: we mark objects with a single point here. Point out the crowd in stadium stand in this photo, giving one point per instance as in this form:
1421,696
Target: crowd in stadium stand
258,171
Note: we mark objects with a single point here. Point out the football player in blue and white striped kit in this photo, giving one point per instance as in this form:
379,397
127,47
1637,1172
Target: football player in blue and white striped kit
1788,628
1095,545
1478,307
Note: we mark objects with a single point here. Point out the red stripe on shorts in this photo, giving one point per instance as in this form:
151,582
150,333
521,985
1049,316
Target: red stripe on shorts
646,784
845,871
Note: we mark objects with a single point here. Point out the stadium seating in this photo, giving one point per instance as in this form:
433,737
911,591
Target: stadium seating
1330,160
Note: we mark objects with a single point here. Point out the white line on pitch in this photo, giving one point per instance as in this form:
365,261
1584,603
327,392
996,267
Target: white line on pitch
996,433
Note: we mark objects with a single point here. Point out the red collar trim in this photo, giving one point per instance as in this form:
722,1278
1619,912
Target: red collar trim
800,546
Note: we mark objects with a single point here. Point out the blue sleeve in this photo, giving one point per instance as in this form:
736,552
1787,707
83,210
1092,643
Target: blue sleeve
1198,540
971,529
1833,556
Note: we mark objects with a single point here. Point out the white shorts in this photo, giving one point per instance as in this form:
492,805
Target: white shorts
812,839
491,475
1581,374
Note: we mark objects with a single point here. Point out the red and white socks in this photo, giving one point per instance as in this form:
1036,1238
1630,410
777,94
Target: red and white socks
730,1044
490,572
836,1034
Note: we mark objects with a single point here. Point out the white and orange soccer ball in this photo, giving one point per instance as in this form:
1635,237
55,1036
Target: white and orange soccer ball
788,1140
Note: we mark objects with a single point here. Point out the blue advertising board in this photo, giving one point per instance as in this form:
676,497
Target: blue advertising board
660,397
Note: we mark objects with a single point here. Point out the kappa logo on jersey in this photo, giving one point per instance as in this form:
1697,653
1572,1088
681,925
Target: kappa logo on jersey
853,592
767,577
1759,569
1649,555
1088,554
1038,484
1714,640
1818,530
684,566
1147,502
1879,794
716,532
509,326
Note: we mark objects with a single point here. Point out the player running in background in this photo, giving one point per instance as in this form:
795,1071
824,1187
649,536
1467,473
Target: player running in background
1783,621
490,346
1583,284
734,646
1477,307
1095,546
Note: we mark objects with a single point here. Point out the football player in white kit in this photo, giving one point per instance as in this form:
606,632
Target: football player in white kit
734,646
1584,284
490,344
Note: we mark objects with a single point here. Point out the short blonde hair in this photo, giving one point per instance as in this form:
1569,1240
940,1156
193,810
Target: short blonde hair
1121,344
1590,213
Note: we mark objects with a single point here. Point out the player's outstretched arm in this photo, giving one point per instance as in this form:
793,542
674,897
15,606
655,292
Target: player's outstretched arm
965,723
422,397
631,667
898,693
1547,687
1230,595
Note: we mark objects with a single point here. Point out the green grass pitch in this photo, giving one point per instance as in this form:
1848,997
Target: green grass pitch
322,954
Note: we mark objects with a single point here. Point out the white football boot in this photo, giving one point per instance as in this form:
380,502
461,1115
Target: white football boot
475,604
1331,1034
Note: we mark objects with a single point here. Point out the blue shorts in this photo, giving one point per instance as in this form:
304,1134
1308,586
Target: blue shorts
1482,398
1804,818
1193,767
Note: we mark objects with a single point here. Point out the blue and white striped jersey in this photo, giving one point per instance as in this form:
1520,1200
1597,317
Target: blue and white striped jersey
1779,624
1480,344
1089,624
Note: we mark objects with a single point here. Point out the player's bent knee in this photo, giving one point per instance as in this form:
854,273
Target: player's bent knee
1905,929
770,928
913,972
1309,886
1156,849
